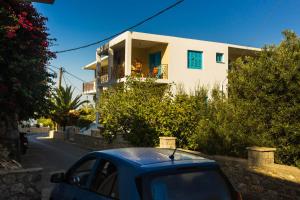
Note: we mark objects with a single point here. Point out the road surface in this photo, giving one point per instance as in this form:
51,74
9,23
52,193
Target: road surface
51,155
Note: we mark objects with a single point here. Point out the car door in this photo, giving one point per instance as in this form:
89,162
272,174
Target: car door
78,179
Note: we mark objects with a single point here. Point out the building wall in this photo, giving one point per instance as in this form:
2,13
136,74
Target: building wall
211,74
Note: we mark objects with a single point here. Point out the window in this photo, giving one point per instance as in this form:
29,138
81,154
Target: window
106,180
194,59
205,185
80,175
219,57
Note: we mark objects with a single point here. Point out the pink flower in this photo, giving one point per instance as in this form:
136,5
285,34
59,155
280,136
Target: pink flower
11,34
45,44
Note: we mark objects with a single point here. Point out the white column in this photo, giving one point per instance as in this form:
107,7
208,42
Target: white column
98,66
128,52
110,64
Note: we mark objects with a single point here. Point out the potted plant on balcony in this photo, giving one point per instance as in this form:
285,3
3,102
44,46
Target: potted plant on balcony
155,71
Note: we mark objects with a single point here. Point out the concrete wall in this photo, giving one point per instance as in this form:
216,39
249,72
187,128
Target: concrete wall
23,184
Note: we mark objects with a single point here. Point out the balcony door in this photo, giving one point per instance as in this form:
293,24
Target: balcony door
154,60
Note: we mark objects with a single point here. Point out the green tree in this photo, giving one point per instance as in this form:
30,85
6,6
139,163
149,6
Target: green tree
46,122
86,116
64,106
131,109
24,80
265,91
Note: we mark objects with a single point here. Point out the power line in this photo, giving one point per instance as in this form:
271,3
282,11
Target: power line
75,76
126,29
64,70
72,84
64,80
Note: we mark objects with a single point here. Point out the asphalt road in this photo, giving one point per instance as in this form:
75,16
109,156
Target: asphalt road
51,155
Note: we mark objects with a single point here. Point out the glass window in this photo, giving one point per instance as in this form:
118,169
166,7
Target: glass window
106,180
194,59
204,185
219,57
80,175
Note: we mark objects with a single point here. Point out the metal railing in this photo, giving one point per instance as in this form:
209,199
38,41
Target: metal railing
162,71
89,87
104,78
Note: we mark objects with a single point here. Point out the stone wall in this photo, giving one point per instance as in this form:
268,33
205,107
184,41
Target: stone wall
97,143
271,182
20,184
34,129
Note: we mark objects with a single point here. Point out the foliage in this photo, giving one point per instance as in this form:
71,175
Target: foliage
64,106
128,109
265,91
46,122
86,116
24,53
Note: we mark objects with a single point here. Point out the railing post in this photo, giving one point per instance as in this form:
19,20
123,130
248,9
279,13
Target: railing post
167,142
260,156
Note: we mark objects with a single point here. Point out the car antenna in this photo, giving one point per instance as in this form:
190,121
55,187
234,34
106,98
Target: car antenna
172,155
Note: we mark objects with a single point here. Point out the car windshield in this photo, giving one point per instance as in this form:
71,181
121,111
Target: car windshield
200,185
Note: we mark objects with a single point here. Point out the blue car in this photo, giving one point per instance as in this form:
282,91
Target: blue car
143,174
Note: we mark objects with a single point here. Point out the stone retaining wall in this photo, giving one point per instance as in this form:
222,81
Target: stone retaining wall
21,184
97,143
272,182
34,129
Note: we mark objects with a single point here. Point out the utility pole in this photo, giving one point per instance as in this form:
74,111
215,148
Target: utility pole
60,77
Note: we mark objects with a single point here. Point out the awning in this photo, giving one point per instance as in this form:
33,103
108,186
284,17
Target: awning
92,65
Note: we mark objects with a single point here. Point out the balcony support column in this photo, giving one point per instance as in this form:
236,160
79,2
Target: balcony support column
97,82
128,52
110,64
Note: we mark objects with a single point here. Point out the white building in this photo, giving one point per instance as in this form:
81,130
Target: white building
187,62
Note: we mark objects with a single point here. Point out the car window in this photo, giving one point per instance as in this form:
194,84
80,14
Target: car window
106,180
80,175
205,185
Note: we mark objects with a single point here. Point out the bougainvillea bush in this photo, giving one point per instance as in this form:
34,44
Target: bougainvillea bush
24,53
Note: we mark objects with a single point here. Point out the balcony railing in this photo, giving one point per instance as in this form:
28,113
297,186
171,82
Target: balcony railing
159,72
89,87
104,78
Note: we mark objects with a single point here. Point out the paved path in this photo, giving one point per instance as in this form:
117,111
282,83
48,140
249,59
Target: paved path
51,155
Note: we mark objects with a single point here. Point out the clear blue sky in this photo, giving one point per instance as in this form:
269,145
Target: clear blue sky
245,22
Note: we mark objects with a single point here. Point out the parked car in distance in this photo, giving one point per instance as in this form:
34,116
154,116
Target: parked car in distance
23,142
143,173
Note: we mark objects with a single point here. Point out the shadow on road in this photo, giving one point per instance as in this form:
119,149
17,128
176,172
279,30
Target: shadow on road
51,155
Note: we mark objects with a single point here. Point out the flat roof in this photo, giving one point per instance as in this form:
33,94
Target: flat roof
92,65
150,156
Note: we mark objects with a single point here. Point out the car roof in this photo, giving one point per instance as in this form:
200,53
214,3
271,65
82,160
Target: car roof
141,156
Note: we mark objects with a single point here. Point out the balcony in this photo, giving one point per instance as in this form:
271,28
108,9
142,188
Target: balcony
89,87
158,72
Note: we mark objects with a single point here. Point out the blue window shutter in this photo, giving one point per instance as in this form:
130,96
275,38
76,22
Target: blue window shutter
219,57
194,59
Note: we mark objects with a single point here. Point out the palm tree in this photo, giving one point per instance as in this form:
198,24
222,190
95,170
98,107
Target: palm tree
63,104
